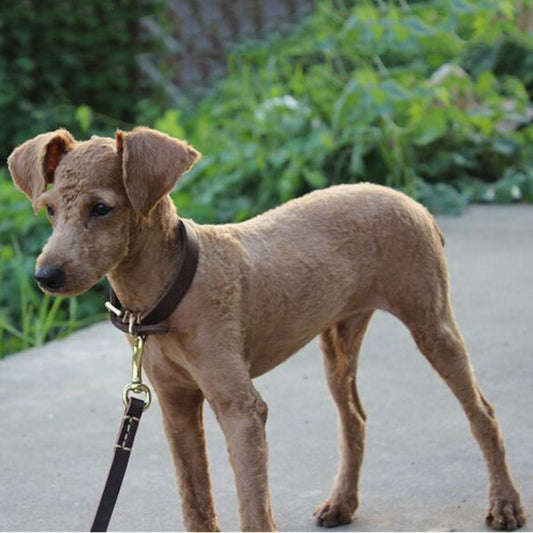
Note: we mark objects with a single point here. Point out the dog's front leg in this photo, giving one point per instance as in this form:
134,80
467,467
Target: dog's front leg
242,415
182,411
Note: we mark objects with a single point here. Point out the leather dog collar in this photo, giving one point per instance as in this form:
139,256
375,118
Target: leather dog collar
149,322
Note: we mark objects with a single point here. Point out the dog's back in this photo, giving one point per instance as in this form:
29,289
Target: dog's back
324,256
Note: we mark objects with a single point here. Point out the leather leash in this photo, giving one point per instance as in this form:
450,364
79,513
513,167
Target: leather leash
140,325
121,456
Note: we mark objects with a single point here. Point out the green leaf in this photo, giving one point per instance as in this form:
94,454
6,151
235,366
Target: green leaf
315,178
432,126
357,164
170,123
84,117
441,198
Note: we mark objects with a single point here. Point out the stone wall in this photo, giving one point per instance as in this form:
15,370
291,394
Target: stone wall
198,34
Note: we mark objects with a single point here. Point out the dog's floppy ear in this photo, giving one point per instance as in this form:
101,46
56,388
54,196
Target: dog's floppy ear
152,162
33,163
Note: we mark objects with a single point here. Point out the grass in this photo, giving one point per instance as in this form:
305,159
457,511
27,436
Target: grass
31,318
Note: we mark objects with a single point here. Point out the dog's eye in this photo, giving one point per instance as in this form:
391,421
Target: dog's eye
101,210
50,211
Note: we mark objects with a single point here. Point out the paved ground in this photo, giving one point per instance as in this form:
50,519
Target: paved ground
422,471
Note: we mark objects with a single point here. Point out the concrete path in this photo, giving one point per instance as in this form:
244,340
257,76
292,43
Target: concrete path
423,471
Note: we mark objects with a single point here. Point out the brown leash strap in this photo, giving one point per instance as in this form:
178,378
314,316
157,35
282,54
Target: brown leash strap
121,456
150,322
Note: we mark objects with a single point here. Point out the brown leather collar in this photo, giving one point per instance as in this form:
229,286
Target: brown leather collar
150,322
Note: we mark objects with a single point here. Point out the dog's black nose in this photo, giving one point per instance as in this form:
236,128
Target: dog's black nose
50,277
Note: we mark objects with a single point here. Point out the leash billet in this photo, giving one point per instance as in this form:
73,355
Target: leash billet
126,435
139,326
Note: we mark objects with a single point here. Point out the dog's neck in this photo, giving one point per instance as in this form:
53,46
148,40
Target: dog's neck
154,250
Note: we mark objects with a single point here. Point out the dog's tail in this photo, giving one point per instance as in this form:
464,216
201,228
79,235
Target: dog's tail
439,232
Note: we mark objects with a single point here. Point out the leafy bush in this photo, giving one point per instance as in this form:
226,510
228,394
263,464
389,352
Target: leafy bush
416,97
430,97
56,56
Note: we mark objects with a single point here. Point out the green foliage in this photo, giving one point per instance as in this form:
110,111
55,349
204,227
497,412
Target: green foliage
56,56
430,97
417,97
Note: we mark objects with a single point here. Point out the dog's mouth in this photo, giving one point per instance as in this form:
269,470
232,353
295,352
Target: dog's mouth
59,291
65,291
56,283
45,289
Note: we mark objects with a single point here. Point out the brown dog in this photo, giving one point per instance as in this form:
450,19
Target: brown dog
320,264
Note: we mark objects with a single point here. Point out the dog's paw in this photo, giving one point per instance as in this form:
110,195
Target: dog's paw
505,514
332,513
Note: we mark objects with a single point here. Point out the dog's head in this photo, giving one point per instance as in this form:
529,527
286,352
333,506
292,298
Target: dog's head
95,193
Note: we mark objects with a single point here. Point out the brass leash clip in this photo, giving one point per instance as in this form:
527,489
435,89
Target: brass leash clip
136,385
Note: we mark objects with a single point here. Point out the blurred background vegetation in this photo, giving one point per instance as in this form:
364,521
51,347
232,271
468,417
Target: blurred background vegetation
281,96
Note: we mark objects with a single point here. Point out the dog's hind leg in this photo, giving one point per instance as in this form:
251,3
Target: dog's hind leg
438,338
340,346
